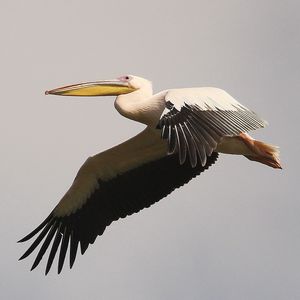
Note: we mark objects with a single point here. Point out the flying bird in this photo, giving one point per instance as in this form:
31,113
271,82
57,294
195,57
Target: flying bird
185,130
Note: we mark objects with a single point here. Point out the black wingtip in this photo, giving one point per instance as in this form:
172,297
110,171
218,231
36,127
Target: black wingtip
73,248
44,246
21,240
28,252
23,256
63,249
36,230
27,237
54,248
83,246
34,266
59,270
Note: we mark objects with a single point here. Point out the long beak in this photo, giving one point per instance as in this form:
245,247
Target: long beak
96,88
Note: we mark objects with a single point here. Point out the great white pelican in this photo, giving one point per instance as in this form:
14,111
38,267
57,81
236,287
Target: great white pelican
185,130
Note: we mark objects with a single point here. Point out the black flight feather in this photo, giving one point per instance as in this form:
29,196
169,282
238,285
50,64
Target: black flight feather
121,196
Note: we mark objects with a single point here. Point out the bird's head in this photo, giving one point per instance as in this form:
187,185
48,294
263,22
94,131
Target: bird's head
115,87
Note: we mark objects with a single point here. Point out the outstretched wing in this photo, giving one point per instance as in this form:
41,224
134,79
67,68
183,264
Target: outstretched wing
195,120
105,190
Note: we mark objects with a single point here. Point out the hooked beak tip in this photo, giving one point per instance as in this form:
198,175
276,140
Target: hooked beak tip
96,88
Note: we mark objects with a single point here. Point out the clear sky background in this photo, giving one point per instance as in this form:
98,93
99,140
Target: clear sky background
234,231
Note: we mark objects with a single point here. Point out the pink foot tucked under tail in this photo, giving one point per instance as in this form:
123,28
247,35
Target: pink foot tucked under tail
262,152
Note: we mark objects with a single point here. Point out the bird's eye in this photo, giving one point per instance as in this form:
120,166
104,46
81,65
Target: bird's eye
127,77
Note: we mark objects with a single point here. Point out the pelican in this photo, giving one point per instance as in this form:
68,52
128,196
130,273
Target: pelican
185,130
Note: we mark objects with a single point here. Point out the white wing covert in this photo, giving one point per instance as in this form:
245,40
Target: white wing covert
195,120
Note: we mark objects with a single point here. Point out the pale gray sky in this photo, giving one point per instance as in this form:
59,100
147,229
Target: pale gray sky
234,231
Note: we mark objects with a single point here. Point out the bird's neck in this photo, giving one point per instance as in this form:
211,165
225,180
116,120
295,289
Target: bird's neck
137,106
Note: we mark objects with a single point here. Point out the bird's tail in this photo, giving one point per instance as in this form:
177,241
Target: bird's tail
262,152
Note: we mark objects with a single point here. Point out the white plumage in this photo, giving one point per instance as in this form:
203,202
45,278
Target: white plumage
185,130
205,97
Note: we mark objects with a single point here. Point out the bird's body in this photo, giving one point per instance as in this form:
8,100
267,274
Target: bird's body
185,130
